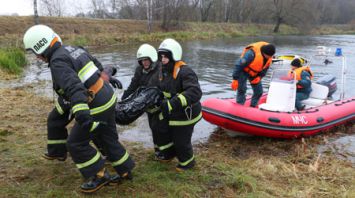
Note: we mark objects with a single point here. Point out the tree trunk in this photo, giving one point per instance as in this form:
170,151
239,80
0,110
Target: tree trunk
278,23
149,14
36,17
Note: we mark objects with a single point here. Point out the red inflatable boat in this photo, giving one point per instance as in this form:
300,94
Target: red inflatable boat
231,116
276,116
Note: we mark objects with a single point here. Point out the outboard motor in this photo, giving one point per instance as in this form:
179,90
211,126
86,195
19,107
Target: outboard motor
329,81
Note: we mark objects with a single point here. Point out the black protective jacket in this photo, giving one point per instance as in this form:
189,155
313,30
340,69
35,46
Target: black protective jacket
142,77
73,71
188,110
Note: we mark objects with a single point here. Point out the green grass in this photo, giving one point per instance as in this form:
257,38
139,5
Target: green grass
12,60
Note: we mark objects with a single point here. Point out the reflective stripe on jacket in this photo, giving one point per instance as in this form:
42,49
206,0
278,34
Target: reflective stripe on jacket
74,71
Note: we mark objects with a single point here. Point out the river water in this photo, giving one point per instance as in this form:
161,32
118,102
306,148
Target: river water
213,62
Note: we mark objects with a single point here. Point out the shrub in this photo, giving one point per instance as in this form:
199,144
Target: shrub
12,60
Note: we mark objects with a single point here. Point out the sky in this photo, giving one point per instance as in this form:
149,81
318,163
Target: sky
21,7
25,7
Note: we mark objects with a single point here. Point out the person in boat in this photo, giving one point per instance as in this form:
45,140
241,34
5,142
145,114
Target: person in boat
253,66
146,74
304,76
82,92
181,107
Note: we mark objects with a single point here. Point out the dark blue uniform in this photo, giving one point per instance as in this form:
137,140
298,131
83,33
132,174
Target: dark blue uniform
304,92
74,71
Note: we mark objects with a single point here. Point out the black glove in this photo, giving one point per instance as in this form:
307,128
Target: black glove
84,119
164,107
115,82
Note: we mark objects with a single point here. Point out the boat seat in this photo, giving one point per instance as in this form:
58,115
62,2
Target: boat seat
317,97
281,97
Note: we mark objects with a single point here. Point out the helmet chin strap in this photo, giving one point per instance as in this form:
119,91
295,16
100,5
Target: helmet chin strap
53,46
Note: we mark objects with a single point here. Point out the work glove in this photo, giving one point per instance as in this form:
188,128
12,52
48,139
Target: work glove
166,110
255,80
84,119
115,82
234,85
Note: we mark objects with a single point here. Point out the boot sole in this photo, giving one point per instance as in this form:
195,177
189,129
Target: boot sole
163,161
62,159
95,189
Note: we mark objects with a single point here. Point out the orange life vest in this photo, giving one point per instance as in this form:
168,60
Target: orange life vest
298,73
255,67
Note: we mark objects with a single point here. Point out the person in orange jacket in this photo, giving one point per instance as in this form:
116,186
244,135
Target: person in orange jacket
303,77
252,65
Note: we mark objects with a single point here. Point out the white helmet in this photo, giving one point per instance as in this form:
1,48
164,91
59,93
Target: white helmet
147,51
172,46
38,38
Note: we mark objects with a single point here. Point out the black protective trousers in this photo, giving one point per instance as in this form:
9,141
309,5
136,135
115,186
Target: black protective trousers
175,141
153,120
87,158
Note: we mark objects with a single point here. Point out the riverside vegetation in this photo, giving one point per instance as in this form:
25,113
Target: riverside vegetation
227,167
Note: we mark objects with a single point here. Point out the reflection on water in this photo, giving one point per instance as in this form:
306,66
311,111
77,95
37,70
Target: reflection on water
344,147
213,62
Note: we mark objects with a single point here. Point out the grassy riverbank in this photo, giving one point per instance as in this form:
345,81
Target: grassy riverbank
99,32
227,167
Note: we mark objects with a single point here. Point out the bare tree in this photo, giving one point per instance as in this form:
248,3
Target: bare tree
279,8
53,7
36,17
205,6
149,14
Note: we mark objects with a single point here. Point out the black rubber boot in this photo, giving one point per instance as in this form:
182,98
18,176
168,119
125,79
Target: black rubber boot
119,178
50,157
159,156
96,182
180,168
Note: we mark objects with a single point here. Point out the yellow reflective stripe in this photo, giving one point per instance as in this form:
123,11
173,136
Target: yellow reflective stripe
167,94
88,163
58,107
183,100
87,71
169,106
185,122
188,161
161,148
104,107
80,107
94,126
121,161
152,110
56,141
161,116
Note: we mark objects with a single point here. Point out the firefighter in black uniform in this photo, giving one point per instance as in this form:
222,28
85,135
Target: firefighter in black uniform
147,59
181,108
146,74
76,77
